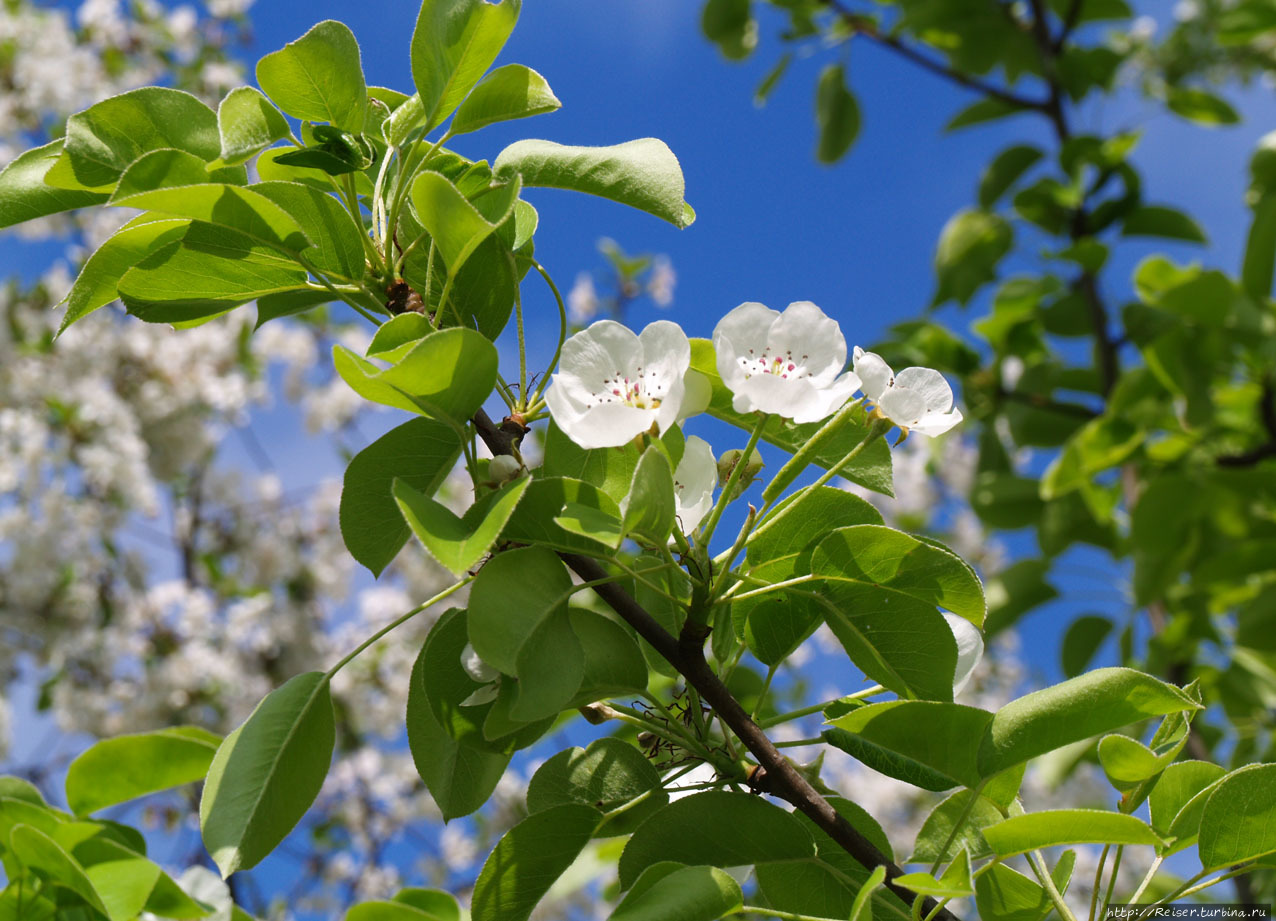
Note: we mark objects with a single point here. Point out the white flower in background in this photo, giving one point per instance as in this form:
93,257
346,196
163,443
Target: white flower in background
481,672
693,483
917,399
786,363
613,384
582,299
661,281
970,650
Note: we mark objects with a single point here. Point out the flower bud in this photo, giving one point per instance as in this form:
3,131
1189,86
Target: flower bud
503,468
727,463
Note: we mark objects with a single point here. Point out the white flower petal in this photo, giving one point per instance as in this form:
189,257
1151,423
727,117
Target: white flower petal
874,373
486,694
930,384
605,349
694,482
610,425
697,392
903,407
814,339
475,667
937,423
970,649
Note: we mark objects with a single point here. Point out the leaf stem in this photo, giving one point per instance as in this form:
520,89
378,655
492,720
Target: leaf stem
398,621
1146,881
1112,878
706,531
562,332
1098,882
1038,864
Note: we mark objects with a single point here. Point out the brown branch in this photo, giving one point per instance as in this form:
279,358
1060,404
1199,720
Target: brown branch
686,654
862,25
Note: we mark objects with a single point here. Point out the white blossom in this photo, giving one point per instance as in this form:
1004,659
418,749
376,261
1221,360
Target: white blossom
788,363
661,281
613,385
582,299
917,399
970,650
694,482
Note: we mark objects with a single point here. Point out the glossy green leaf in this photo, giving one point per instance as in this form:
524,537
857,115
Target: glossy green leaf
643,174
610,469
248,123
388,911
718,829
1005,170
457,543
208,271
420,453
550,667
447,375
837,113
1066,826
458,226
1099,445
37,850
611,773
337,241
1259,264
941,737
507,93
1200,106
1003,894
460,777
648,509
242,210
684,894
267,773
870,469
1079,708
862,909
1180,783
536,520
319,77
1238,823
614,662
529,858
1128,762
985,110
396,336
953,883
513,594
125,767
98,282
106,138
453,45
24,196
970,248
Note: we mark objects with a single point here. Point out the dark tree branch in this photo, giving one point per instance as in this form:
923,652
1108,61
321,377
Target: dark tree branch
686,654
862,25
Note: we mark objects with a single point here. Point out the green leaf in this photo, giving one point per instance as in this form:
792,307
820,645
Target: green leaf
730,25
643,174
1003,894
453,45
1260,249
1100,701
458,226
447,375
396,336
125,880
1238,823
1004,171
614,663
529,858
24,196
208,271
911,734
772,79
419,453
98,282
1099,445
936,832
319,77
953,883
837,113
145,185
862,909
104,139
1201,107
985,110
692,831
393,911
550,666
970,248
1015,591
648,509
512,596
611,773
507,93
1066,826
536,520
610,469
1177,786
460,777
338,241
267,773
458,543
683,894
126,767
871,469
1160,221
248,123
1128,762
1084,637
35,849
